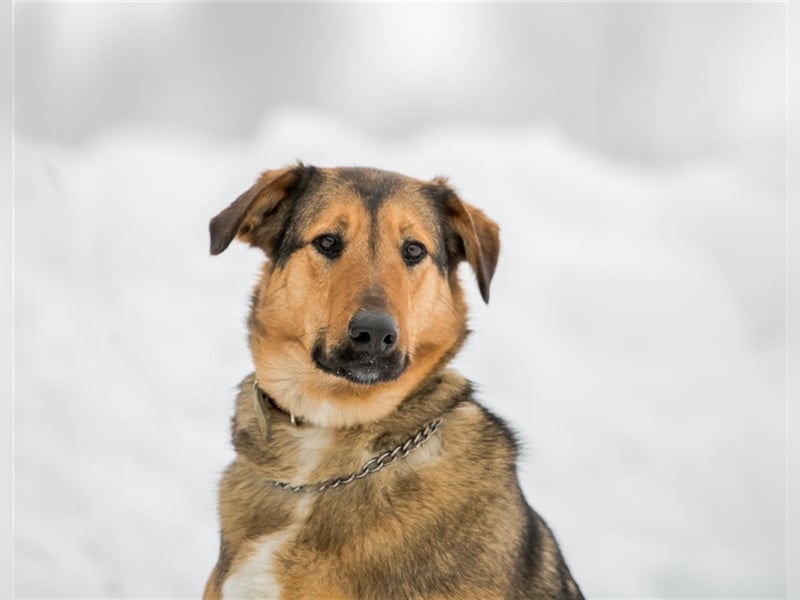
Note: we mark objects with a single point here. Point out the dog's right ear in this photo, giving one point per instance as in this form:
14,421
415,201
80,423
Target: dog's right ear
256,217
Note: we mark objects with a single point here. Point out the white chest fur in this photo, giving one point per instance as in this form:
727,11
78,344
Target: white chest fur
255,579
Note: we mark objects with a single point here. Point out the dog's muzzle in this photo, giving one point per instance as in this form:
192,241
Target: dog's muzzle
370,352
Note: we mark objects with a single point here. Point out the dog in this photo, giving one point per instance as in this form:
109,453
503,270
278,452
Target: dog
365,469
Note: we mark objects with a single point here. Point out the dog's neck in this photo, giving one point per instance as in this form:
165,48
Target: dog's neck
262,428
263,403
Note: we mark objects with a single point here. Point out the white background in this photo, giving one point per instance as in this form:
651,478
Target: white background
632,154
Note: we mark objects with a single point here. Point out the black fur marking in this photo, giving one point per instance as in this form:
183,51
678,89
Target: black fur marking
501,428
529,552
449,250
359,366
289,239
373,187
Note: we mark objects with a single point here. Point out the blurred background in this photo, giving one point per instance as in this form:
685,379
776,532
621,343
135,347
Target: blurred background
648,81
633,154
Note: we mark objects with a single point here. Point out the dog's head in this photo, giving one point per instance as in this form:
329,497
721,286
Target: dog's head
359,301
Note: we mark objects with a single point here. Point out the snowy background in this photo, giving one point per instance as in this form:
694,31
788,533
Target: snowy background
632,155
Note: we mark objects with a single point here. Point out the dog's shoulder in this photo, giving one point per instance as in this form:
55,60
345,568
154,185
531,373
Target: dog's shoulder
474,423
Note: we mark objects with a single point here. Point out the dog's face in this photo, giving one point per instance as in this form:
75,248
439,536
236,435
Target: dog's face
360,300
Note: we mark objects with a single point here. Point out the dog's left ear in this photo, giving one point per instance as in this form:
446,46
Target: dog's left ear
477,238
256,217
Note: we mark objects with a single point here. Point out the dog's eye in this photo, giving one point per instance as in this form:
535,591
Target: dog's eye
328,245
413,252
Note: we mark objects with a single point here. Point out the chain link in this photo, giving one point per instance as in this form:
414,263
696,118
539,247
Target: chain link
373,465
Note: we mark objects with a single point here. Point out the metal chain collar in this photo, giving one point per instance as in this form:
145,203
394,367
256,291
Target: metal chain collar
373,465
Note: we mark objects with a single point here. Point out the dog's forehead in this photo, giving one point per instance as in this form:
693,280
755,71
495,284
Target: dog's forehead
374,186
370,189
363,179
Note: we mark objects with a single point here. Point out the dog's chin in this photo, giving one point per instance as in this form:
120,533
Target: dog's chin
361,372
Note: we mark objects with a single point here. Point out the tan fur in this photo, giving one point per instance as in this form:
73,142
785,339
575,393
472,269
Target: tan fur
448,521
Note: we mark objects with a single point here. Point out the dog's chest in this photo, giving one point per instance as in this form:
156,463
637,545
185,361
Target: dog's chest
256,572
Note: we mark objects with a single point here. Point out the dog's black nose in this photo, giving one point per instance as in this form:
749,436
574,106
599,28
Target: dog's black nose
374,332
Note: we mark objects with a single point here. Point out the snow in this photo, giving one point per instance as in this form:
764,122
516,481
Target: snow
635,340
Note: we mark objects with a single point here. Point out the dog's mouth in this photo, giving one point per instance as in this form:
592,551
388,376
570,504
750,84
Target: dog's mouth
360,367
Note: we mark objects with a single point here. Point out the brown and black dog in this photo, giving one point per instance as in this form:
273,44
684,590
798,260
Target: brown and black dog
365,470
